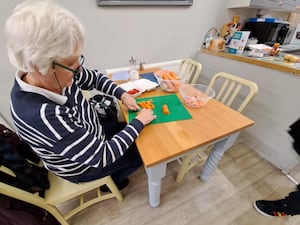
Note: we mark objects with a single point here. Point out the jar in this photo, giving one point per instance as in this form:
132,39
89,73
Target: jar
133,73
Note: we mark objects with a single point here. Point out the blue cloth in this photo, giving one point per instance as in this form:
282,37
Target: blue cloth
149,76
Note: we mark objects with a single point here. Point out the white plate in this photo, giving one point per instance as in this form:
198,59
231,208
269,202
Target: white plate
259,46
262,48
145,84
141,84
137,94
129,86
141,91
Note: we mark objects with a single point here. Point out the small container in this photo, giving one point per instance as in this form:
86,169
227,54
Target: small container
217,44
196,95
211,33
252,41
133,73
172,84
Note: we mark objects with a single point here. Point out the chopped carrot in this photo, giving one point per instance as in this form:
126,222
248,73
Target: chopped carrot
165,109
173,75
146,104
166,76
169,75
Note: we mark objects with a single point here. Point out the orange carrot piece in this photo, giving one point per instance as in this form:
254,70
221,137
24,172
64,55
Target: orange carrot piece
173,75
165,76
165,109
146,104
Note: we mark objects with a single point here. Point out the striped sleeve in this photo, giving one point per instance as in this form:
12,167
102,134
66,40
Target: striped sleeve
93,79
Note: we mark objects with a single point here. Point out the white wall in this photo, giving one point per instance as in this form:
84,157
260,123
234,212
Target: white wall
114,34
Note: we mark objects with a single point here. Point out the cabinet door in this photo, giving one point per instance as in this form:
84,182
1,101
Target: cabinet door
264,3
289,5
284,5
238,3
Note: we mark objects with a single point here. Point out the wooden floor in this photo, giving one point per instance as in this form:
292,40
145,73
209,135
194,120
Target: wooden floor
226,199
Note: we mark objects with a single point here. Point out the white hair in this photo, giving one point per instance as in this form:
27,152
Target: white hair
39,32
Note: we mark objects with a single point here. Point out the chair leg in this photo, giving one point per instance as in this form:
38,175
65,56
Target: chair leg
188,162
84,203
59,217
114,189
32,199
183,169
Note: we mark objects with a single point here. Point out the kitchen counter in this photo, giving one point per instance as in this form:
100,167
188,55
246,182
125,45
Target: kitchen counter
271,62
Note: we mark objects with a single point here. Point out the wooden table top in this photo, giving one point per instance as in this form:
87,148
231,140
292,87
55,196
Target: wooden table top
161,142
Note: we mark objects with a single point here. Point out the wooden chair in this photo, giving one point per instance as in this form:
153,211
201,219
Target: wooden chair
185,68
190,69
62,191
231,90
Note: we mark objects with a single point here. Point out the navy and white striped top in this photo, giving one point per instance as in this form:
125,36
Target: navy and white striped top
64,130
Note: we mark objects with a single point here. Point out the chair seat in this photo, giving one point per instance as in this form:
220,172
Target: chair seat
61,191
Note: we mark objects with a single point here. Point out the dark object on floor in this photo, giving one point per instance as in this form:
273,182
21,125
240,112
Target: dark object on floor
120,184
106,107
20,158
270,208
295,133
15,212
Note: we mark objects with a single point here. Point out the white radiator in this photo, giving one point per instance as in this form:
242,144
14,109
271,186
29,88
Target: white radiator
167,65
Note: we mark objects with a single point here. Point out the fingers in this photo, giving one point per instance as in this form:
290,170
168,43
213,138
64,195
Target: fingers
134,107
146,116
130,102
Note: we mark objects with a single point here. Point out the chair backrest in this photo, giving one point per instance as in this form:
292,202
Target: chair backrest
190,69
232,90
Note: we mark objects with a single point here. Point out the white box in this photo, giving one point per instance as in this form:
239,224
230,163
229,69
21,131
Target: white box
238,41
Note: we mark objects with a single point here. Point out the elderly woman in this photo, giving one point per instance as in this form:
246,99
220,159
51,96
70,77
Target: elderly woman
45,43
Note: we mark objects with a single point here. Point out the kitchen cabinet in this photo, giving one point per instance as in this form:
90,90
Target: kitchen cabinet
283,5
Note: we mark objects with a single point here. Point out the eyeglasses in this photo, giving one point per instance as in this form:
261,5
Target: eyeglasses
75,72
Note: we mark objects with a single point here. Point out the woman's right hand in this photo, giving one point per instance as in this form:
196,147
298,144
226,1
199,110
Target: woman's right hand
146,116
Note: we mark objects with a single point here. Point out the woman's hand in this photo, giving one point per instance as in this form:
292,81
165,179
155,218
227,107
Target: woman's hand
145,116
129,102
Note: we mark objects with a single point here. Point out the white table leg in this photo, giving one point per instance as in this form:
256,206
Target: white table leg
155,174
216,154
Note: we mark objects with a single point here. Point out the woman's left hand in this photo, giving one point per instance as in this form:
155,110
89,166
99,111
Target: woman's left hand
129,102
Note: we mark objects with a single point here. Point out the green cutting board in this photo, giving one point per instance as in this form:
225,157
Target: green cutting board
177,110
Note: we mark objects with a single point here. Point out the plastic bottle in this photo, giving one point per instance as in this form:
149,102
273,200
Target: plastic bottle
133,73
